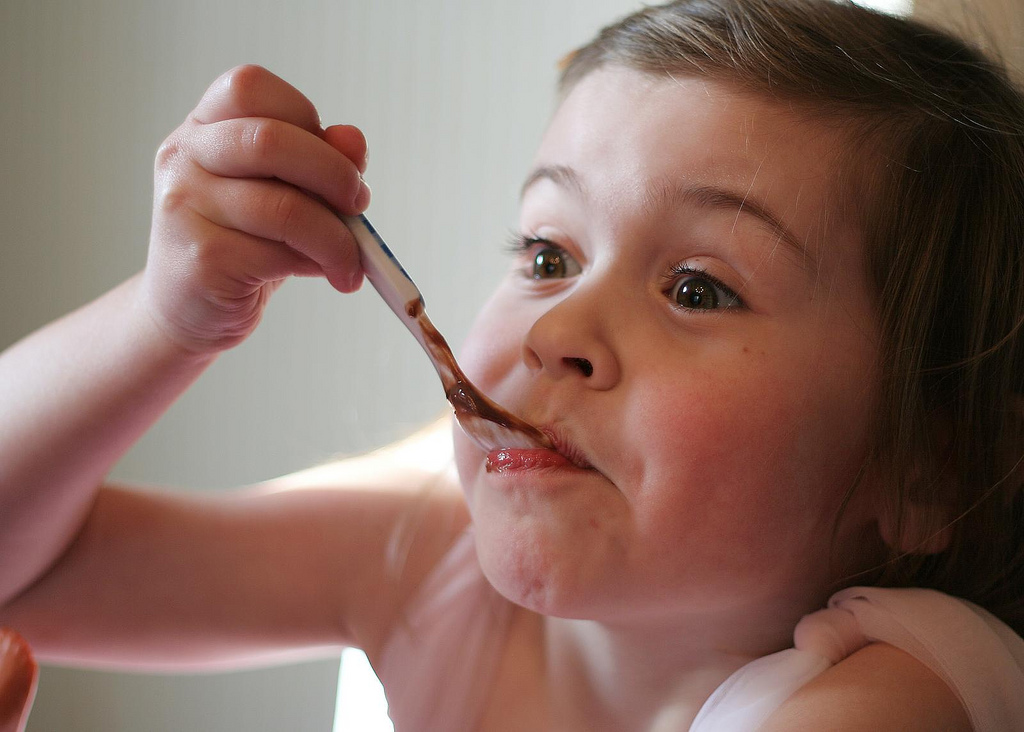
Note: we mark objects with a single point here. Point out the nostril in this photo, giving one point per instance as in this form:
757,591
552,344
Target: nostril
586,368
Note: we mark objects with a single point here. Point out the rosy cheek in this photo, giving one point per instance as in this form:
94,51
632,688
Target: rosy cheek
717,430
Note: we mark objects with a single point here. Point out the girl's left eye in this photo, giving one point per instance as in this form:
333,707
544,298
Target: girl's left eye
696,290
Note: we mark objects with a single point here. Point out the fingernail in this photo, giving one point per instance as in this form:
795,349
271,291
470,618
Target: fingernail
362,199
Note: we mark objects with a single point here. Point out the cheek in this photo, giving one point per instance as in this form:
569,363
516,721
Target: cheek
727,499
493,345
742,455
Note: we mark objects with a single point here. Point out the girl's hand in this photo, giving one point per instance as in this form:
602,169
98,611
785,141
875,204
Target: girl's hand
246,193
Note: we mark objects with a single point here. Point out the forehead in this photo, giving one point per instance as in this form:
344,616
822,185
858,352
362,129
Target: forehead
634,137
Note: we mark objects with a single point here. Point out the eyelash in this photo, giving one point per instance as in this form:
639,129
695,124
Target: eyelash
518,243
681,270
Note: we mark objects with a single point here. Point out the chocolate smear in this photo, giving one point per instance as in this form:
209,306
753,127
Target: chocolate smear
489,425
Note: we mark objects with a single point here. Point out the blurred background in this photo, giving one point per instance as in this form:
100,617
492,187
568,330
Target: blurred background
453,96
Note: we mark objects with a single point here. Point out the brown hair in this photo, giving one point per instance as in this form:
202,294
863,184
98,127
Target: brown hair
941,205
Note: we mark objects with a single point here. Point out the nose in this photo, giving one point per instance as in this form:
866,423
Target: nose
571,340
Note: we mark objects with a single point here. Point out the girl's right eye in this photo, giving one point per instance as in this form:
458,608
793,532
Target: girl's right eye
552,262
544,260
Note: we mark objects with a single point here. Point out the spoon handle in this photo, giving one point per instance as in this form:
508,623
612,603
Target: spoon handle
483,420
385,272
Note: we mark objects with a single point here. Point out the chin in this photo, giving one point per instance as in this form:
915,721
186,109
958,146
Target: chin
524,571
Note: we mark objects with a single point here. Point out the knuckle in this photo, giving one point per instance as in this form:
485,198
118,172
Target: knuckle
262,137
172,198
286,213
243,83
208,253
168,151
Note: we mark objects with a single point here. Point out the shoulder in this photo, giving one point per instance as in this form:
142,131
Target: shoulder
423,460
376,525
878,688
399,508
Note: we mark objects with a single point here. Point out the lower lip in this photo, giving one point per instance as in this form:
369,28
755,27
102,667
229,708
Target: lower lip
514,460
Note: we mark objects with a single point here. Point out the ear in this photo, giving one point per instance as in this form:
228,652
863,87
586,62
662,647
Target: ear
919,520
916,529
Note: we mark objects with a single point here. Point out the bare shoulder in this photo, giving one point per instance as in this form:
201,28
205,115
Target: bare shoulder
878,688
404,466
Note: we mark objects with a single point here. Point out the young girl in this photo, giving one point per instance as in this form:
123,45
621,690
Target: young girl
764,301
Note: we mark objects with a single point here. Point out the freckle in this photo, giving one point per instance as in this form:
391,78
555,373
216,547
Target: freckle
746,350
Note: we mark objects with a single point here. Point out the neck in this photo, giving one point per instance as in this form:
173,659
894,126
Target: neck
653,676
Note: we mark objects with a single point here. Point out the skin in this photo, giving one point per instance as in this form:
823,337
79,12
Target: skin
245,191
18,676
722,440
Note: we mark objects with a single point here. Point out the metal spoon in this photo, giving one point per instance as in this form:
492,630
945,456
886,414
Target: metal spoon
485,422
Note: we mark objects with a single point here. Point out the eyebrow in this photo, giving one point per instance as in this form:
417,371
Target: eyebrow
668,195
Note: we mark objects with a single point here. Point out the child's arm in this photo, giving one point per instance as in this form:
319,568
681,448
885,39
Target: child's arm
246,191
321,559
227,229
75,396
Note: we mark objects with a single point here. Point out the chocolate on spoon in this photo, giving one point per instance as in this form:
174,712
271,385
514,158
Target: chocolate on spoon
488,424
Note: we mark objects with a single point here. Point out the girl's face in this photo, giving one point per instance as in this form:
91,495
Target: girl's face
690,315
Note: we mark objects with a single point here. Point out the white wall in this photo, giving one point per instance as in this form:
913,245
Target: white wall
993,24
452,94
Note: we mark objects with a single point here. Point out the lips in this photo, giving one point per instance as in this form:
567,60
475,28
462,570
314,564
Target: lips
565,456
516,459
565,447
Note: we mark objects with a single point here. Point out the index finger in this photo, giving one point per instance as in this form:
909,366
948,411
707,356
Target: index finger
252,91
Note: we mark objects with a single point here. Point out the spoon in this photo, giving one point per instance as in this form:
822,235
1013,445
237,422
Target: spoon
485,422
